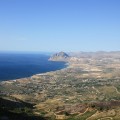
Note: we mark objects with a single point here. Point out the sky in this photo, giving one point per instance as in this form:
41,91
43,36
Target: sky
60,25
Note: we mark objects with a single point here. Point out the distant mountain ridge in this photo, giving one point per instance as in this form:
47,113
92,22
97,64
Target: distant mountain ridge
61,56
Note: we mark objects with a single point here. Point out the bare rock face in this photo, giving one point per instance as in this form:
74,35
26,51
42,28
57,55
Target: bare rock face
61,56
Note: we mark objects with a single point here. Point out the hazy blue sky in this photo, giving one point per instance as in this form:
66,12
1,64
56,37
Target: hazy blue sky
59,25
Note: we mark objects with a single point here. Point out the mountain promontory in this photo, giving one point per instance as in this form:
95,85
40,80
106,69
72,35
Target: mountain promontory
61,56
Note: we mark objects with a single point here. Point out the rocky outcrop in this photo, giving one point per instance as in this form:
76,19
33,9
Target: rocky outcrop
61,56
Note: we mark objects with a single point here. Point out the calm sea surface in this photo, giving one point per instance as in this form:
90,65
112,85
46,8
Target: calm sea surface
14,66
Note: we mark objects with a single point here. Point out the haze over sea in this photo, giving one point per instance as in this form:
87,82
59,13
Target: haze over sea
19,65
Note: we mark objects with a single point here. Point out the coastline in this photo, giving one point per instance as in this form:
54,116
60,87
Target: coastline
19,66
66,65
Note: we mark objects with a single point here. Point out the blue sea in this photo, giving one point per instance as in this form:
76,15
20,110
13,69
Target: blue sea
19,65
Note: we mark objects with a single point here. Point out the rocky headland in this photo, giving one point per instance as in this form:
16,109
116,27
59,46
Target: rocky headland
61,56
